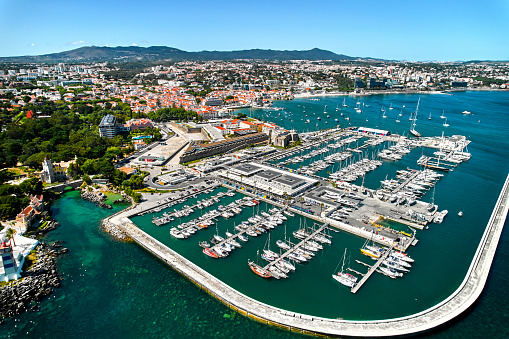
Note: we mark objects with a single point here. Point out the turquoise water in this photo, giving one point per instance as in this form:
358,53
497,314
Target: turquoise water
113,289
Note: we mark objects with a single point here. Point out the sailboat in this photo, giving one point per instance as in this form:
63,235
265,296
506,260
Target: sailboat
345,278
445,123
412,127
337,107
358,107
344,104
258,270
429,118
390,108
443,116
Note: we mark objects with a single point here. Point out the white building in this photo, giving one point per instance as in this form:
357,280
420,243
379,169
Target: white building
12,255
52,172
269,179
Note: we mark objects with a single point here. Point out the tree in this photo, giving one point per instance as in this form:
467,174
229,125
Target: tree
86,179
72,170
88,166
9,234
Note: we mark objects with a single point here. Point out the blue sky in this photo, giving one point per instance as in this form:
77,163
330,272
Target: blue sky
403,30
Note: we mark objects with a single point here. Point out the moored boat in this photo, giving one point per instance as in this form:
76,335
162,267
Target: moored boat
204,244
209,252
258,270
344,278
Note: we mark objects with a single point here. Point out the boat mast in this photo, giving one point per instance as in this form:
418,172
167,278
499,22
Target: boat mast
343,265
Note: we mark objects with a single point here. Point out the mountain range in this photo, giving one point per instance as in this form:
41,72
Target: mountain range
157,53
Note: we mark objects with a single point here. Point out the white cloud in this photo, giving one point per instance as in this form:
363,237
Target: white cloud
32,45
79,42
134,44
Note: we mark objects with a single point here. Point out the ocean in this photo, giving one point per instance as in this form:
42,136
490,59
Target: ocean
114,289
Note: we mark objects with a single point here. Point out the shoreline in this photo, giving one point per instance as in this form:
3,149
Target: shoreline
445,92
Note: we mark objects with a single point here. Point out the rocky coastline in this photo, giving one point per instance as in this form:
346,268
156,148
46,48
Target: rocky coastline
95,198
37,282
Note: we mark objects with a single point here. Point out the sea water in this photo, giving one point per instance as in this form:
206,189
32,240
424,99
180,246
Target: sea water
114,289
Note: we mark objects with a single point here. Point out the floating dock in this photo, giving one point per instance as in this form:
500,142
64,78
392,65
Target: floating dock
371,270
300,244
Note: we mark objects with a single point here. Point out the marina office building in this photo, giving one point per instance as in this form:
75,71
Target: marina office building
269,180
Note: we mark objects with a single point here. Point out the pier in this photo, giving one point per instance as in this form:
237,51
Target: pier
300,244
371,270
458,302
406,181
250,227
163,204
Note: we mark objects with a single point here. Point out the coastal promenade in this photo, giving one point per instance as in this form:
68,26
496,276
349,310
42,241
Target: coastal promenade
466,294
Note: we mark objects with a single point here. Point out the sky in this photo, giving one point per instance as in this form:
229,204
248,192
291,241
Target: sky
439,30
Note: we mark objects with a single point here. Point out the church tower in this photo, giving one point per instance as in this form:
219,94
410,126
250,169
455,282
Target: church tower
48,175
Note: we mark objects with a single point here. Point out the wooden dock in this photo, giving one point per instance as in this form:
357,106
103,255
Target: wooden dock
371,270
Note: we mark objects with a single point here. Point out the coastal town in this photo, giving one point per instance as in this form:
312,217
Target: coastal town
265,169
170,140
214,88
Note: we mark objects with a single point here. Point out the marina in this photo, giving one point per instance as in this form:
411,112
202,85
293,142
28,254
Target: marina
443,256
332,170
454,305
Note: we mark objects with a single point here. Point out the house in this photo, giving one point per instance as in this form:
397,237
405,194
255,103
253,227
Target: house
134,124
139,144
221,129
231,124
27,216
52,172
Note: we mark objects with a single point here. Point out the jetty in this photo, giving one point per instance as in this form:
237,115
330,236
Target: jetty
371,270
299,245
406,181
250,227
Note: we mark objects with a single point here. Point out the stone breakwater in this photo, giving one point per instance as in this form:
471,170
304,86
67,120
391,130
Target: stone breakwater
115,231
95,198
38,282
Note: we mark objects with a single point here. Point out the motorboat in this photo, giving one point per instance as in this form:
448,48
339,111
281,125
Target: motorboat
176,233
211,253
439,217
204,244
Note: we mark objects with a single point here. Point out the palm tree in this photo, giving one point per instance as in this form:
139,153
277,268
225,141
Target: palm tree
9,234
